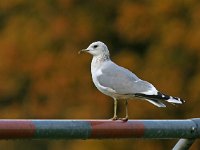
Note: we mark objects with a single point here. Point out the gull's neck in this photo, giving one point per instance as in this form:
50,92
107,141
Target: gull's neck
99,59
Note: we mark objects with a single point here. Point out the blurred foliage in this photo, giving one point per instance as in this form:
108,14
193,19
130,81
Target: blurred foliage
41,75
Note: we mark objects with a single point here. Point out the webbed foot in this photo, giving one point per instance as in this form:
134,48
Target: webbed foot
114,118
124,119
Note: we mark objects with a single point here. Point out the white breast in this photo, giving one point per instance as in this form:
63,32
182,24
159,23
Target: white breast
105,90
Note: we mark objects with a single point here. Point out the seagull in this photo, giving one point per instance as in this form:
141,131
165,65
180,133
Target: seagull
120,83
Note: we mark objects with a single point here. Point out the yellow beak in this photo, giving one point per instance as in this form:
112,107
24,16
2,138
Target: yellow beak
83,50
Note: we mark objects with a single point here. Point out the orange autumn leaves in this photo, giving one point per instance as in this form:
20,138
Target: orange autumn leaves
42,76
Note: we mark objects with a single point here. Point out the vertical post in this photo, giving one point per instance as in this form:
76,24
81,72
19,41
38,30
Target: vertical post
183,144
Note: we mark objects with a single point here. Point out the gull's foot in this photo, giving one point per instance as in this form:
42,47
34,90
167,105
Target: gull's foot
124,119
114,118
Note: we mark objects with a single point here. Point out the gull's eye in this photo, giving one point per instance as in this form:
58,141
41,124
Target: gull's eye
95,46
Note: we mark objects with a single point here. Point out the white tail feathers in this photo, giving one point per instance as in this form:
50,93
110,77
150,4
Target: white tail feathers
157,103
175,100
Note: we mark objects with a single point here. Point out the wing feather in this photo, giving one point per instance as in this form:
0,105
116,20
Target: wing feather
122,80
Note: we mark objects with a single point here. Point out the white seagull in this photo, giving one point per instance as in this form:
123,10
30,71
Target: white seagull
120,83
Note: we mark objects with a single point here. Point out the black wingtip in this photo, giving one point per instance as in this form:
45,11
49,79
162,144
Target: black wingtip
179,99
161,96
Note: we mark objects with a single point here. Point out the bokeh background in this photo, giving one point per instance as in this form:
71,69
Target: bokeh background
43,77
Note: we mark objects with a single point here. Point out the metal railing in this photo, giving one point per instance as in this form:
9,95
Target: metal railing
186,130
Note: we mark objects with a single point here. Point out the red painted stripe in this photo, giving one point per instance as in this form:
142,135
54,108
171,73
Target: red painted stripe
16,129
117,129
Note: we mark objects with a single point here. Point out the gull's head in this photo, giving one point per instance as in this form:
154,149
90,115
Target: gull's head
96,49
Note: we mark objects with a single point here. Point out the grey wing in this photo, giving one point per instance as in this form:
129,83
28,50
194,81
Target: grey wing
122,80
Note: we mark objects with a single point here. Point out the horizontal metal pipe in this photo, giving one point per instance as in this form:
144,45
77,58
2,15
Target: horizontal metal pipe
98,129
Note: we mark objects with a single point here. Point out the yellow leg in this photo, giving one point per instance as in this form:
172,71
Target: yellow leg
115,110
126,105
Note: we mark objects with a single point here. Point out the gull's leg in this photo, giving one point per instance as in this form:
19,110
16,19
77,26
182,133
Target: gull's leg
115,110
126,105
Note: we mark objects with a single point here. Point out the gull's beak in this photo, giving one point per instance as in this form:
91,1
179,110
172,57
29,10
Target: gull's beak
83,50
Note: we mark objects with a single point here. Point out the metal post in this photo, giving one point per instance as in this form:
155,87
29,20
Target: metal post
183,144
99,129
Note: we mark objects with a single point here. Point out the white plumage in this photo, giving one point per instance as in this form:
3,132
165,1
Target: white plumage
120,83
